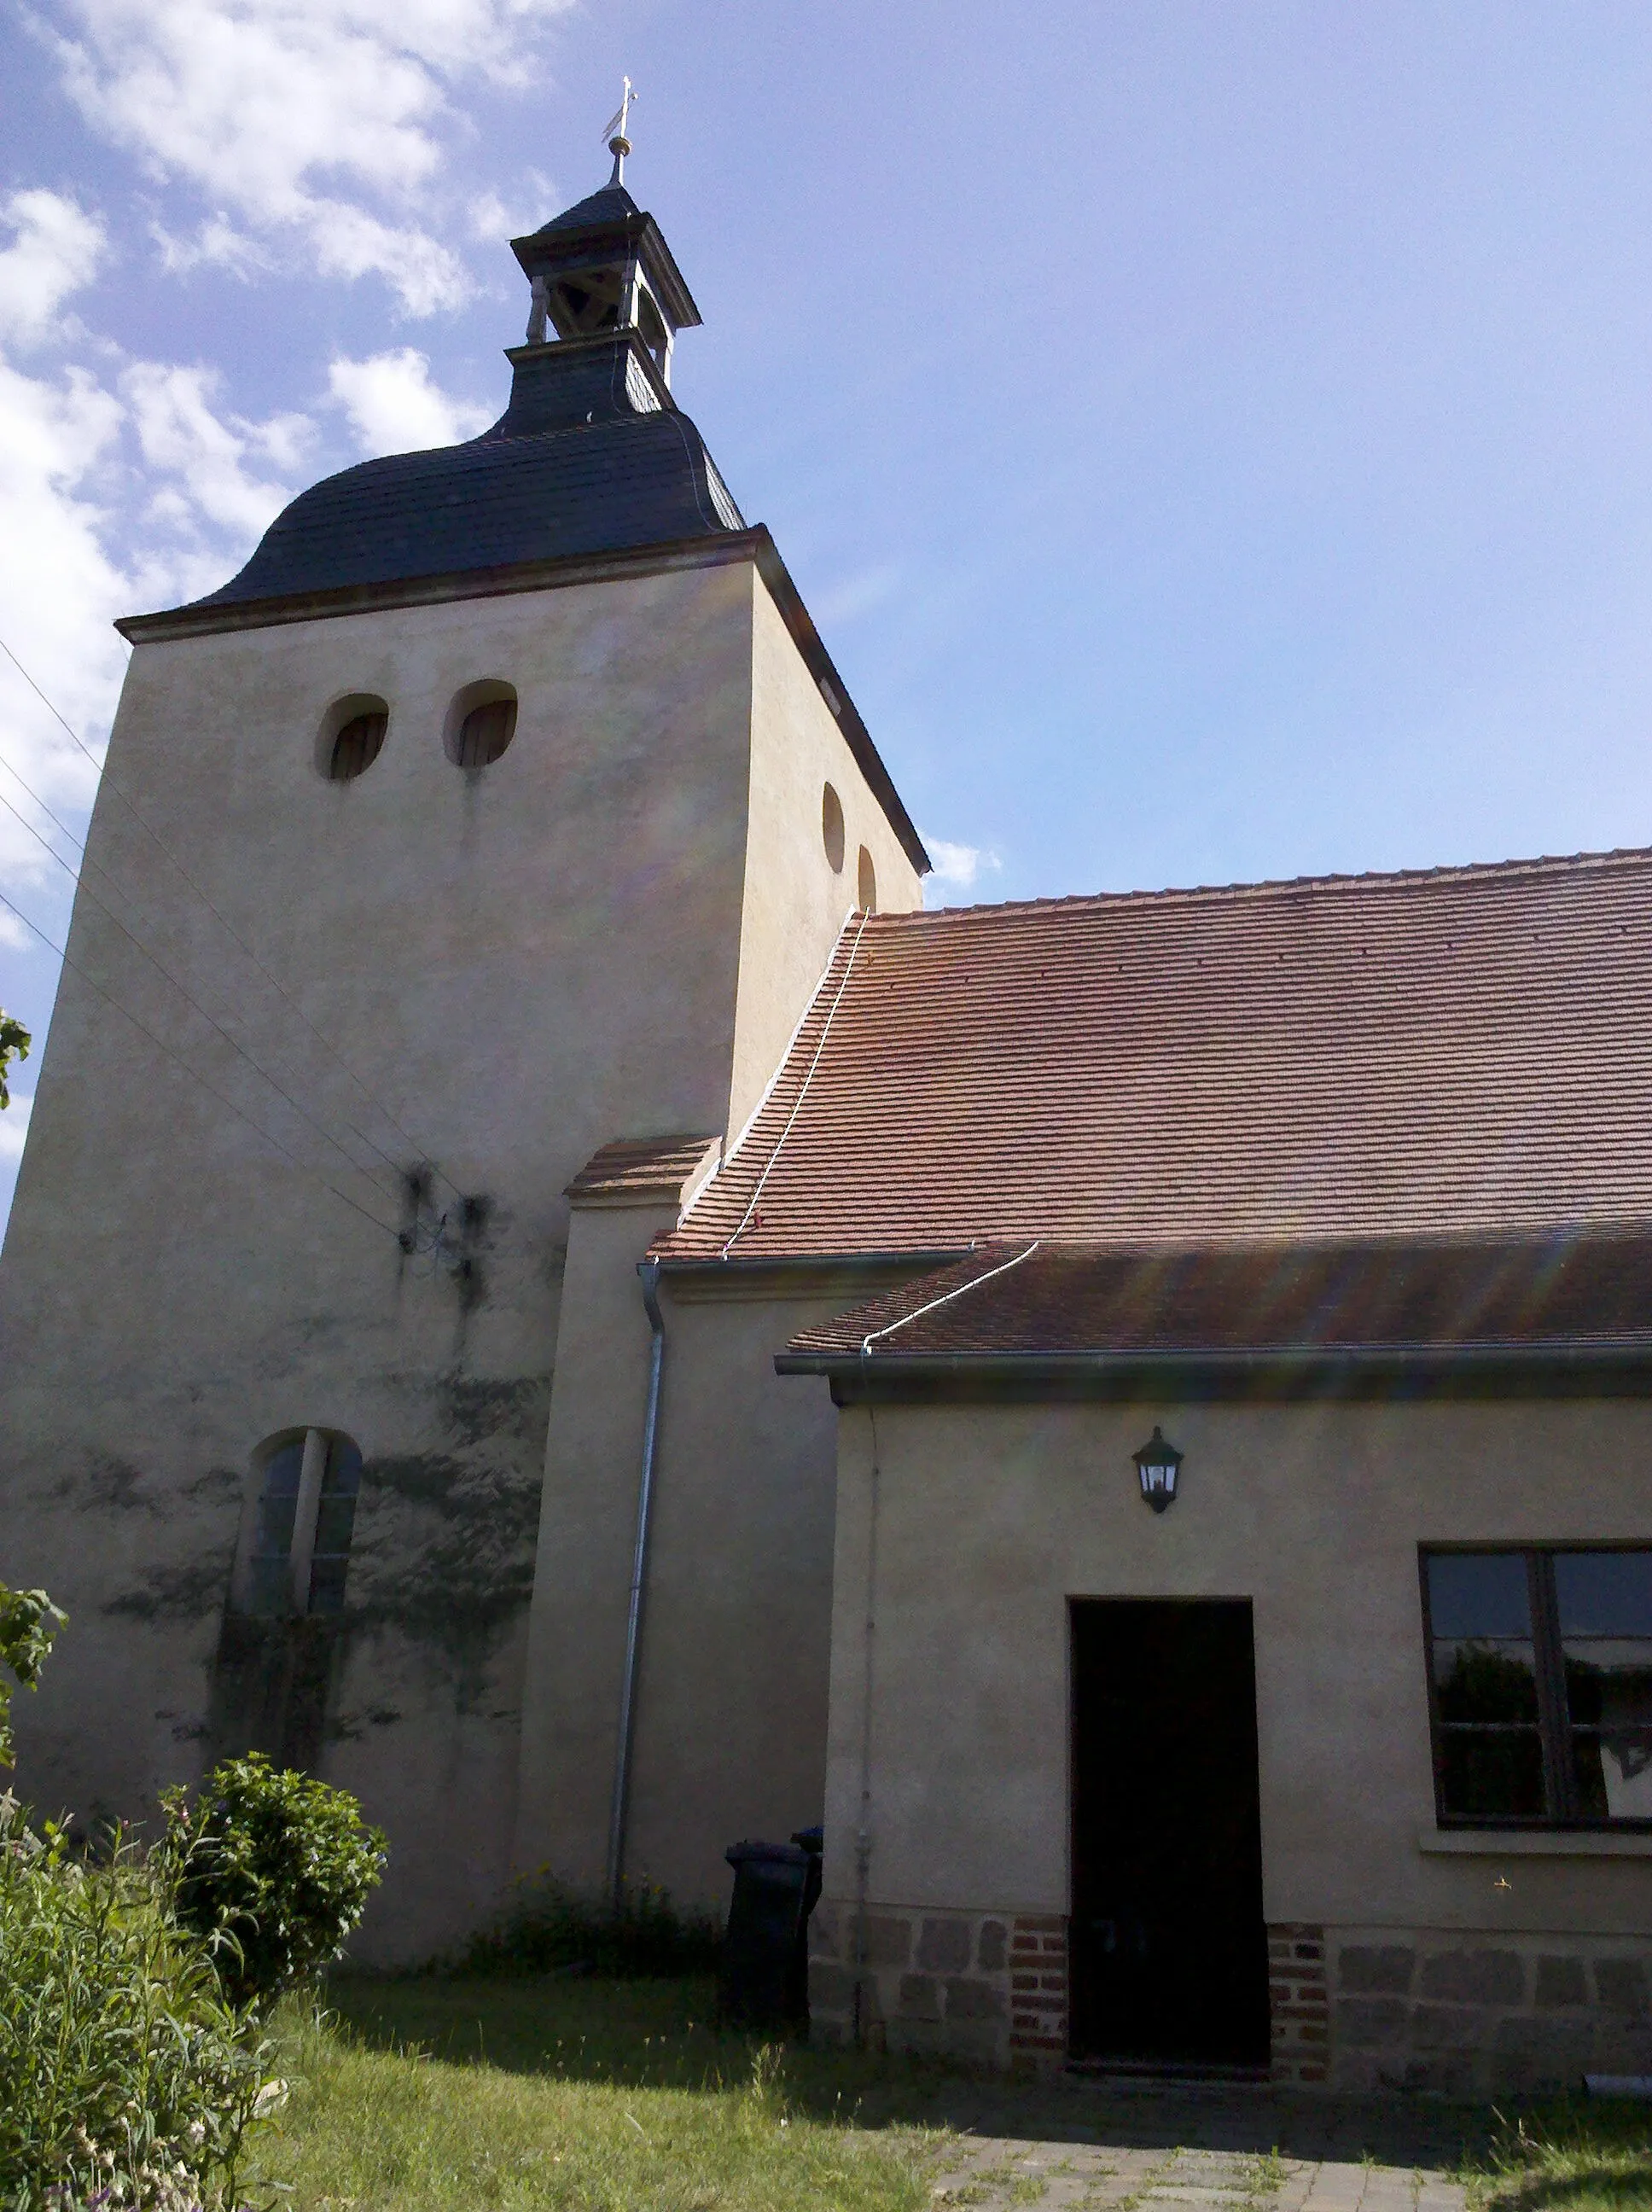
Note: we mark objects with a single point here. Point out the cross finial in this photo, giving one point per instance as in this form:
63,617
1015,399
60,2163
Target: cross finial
614,131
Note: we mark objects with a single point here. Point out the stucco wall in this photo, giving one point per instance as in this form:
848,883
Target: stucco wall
587,1528
795,901
989,1518
730,1734
518,963
731,1738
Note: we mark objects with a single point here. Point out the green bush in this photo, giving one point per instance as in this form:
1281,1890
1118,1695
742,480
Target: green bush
272,1869
28,1622
125,2076
550,1927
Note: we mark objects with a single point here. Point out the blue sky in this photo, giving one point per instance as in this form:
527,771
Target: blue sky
1214,438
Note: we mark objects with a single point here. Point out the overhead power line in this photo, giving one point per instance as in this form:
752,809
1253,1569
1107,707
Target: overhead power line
228,928
189,998
162,1046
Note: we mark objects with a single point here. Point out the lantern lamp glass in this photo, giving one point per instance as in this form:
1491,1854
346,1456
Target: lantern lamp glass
1157,1465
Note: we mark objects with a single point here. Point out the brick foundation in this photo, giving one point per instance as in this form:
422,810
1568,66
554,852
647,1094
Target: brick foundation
1298,2005
1466,2013
1038,1990
986,1986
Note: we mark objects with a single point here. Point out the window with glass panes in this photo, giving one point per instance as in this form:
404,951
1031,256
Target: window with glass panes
270,1572
301,1535
335,1523
1540,1685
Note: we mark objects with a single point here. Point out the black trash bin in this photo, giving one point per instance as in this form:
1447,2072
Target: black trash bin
764,1983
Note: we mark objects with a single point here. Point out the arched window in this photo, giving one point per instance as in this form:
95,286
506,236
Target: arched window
867,883
270,1569
335,1524
481,723
308,1481
352,736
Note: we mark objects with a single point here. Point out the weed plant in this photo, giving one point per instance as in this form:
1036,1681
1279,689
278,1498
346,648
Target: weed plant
126,2078
549,1929
1568,2156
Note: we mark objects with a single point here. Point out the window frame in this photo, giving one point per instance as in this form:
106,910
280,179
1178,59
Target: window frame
318,1448
1554,1725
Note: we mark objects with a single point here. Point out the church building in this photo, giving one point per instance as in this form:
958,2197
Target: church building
547,1289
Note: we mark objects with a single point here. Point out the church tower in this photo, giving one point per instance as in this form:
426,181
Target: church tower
505,807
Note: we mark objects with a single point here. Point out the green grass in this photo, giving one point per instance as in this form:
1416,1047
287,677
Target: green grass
1566,2157
451,2095
454,2094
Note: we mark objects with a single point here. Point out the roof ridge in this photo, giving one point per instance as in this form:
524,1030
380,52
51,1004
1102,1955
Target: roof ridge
1264,886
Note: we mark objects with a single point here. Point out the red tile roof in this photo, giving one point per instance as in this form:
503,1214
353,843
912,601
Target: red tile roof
1039,1301
1464,1051
641,1168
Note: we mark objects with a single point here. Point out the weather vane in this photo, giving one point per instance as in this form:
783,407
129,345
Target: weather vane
614,133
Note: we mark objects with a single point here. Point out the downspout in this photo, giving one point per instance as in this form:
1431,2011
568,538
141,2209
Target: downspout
649,1273
863,1840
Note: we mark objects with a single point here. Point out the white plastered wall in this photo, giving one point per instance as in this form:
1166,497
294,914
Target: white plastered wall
795,901
518,963
990,1518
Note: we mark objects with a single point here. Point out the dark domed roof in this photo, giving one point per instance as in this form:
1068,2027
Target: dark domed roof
592,456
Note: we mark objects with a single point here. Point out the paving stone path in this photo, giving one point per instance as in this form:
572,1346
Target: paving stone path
1094,2150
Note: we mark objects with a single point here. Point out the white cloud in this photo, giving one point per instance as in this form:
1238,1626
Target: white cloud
493,220
14,1125
394,408
856,595
217,243
181,435
957,868
57,249
58,588
283,114
206,483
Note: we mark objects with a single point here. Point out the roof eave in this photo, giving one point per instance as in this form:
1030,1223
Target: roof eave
713,548
835,695
1559,1367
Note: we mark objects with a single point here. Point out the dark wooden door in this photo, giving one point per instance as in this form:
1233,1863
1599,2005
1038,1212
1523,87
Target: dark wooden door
1170,1953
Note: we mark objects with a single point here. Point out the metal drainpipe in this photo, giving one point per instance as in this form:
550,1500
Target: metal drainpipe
649,1273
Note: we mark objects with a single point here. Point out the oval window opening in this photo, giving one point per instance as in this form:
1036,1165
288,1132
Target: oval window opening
352,736
831,827
867,883
481,723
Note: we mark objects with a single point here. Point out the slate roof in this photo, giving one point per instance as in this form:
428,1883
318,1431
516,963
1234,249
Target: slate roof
613,204
1049,1302
641,1167
587,459
1459,1053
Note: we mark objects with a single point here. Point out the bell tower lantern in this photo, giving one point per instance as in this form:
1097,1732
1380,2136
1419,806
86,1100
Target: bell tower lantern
601,268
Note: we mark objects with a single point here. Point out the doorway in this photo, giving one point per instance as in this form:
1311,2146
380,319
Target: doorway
1169,1951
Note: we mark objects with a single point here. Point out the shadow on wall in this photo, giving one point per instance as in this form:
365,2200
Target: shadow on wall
273,1683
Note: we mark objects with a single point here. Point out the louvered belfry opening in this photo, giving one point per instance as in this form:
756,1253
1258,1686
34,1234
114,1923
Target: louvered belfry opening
485,732
357,746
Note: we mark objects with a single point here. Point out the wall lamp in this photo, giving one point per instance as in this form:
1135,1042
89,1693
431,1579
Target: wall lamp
1158,1464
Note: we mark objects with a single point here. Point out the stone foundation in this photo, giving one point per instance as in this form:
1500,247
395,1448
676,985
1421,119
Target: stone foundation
1473,2015
986,1986
1359,2009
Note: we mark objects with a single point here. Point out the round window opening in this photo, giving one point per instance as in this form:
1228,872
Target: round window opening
868,882
481,723
352,736
831,827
